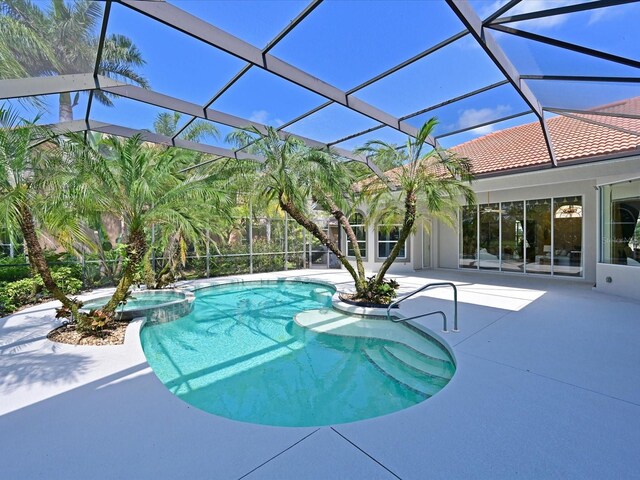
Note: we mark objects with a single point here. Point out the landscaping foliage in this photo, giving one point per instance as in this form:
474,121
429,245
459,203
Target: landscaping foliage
26,291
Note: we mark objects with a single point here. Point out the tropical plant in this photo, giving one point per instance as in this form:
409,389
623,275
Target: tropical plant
167,124
32,181
293,175
142,186
427,183
430,183
60,40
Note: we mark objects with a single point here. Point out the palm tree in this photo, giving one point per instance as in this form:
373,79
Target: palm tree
427,184
32,179
143,186
167,124
294,175
62,40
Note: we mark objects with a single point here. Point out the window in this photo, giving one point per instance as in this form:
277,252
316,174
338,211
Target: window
387,239
567,236
513,236
489,253
469,237
542,236
360,230
621,224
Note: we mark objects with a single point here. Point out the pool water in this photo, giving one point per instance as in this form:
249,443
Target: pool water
239,354
137,300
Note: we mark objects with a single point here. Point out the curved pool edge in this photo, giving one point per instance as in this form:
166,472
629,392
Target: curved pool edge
231,281
344,307
180,306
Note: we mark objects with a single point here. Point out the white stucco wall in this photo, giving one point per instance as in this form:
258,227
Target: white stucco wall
580,180
624,280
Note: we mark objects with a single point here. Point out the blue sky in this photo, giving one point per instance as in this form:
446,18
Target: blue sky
347,42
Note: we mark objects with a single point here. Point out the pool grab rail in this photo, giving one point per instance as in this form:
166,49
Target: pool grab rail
439,312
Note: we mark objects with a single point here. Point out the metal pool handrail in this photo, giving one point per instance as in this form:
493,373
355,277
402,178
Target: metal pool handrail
440,312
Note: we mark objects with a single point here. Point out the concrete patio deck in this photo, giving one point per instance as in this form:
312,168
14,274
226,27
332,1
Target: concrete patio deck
547,386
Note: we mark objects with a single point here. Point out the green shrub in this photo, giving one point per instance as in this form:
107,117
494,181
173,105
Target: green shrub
14,268
68,279
14,295
381,294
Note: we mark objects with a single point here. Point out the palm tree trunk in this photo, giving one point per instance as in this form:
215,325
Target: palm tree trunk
344,222
37,258
136,249
312,228
407,224
66,108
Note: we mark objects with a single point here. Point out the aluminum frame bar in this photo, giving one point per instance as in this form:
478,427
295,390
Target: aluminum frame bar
580,7
134,92
567,46
280,36
497,120
35,86
600,124
581,78
505,8
560,111
485,39
425,110
197,28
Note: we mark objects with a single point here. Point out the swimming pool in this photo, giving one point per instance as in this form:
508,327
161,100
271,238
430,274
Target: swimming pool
240,354
155,305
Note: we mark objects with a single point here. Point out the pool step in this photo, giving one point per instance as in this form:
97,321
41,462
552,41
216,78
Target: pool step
392,368
421,362
333,322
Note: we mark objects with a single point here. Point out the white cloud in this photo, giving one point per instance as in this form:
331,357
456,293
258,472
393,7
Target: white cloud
603,14
470,117
262,116
530,6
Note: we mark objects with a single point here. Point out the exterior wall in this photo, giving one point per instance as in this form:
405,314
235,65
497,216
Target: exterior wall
578,180
624,280
581,180
372,263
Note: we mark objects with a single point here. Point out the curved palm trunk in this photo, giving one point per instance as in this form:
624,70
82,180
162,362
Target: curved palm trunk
136,249
344,222
38,261
407,224
312,228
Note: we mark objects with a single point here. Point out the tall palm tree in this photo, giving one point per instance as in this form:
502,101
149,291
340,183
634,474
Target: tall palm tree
295,176
61,40
428,183
32,180
143,186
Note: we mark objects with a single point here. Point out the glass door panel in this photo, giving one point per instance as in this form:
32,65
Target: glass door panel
489,253
469,237
567,236
538,251
513,237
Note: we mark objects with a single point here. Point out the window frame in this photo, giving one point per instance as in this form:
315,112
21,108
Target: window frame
405,257
363,226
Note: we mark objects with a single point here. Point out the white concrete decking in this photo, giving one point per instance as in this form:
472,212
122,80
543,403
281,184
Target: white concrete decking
548,386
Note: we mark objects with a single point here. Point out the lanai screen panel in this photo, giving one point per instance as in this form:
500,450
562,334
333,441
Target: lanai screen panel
336,73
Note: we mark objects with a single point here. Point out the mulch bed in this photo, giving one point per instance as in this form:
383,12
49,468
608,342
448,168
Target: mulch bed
112,334
349,298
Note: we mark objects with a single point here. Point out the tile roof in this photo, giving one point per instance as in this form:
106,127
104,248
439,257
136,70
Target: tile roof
575,136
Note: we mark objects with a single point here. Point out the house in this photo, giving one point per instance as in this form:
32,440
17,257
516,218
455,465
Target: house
576,220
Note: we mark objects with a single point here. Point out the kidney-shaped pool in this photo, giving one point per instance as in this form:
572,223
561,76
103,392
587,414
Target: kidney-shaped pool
274,352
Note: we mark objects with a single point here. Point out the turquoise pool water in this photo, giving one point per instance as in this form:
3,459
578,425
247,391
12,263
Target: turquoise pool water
239,354
138,300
